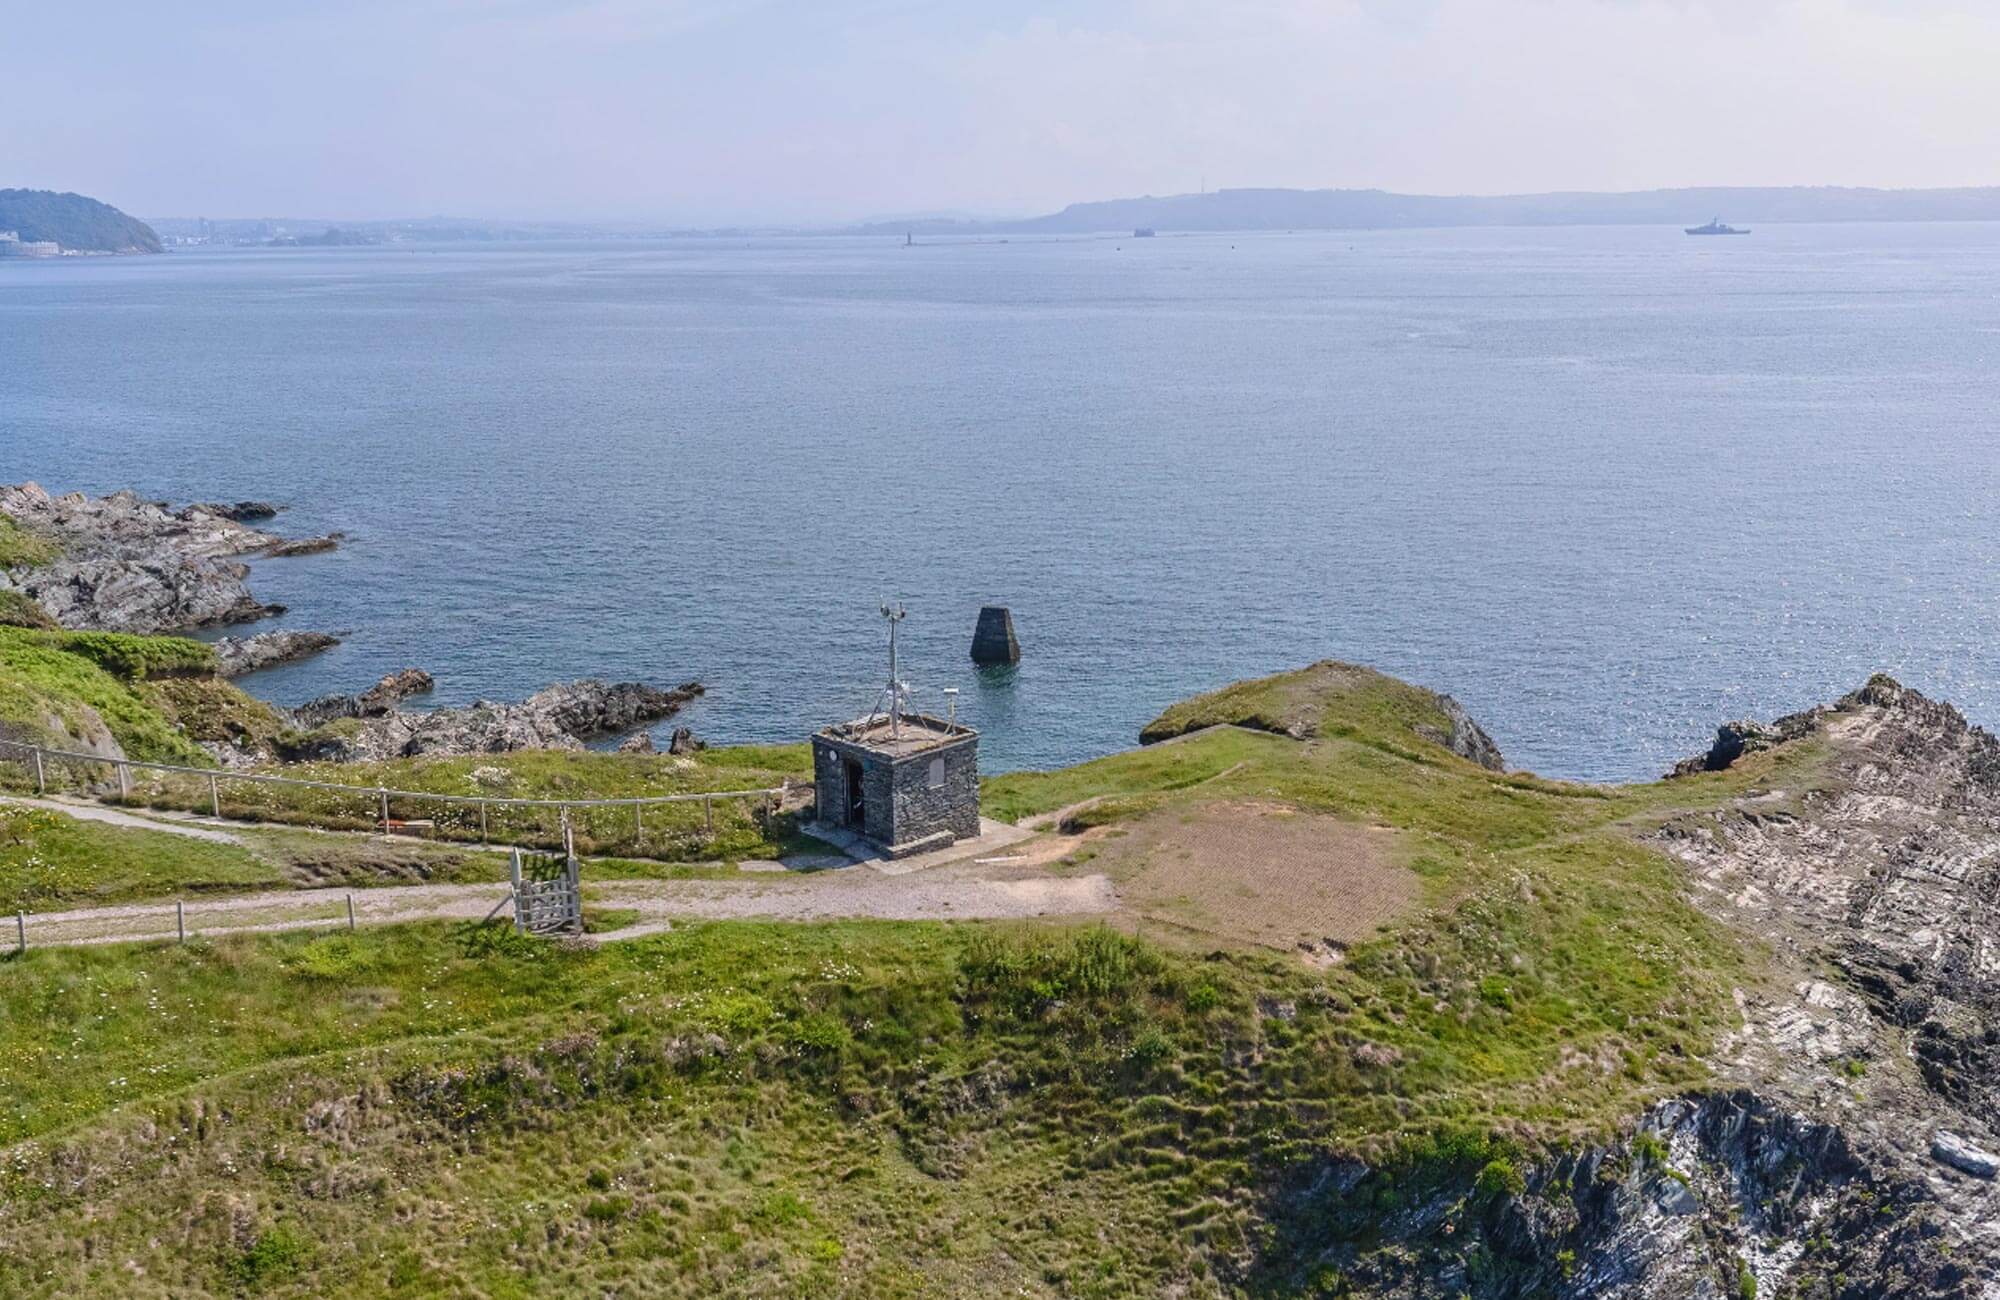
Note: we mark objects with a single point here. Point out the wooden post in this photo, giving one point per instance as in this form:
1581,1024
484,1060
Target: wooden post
514,866
41,780
180,921
708,814
350,914
638,823
20,932
214,799
482,821
124,781
385,808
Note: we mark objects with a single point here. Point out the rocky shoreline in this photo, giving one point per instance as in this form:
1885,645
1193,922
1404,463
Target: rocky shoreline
122,563
126,564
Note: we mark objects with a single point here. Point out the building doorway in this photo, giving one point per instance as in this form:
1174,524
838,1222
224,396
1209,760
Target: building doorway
857,804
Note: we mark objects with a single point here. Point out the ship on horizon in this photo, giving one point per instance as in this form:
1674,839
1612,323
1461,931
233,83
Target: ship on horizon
1715,227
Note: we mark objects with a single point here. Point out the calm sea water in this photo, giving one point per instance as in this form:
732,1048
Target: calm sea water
1607,486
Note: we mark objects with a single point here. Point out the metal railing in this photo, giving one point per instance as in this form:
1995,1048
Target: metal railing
381,797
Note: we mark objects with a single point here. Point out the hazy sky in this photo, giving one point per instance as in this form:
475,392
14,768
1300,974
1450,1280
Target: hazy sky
718,110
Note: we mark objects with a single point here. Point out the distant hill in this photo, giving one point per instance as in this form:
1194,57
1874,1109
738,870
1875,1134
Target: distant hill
74,221
1281,209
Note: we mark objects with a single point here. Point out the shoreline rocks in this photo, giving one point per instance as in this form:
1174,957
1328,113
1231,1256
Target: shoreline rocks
131,565
370,728
240,656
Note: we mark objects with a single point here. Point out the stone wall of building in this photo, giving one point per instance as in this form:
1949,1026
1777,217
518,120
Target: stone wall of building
954,806
900,804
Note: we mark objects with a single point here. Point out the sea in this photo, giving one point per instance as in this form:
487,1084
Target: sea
1607,486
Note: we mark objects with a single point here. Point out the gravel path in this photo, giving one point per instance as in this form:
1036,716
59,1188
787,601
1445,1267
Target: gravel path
91,812
957,892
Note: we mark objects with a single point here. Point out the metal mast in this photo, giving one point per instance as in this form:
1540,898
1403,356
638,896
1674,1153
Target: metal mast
894,614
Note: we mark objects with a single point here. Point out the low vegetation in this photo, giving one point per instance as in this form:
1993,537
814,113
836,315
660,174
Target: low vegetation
21,549
71,689
873,1108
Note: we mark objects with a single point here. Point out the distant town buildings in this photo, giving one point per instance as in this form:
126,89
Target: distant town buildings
12,245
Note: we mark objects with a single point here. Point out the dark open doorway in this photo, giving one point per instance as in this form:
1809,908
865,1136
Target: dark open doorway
857,805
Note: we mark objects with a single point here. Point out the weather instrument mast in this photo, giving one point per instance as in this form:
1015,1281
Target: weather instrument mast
894,614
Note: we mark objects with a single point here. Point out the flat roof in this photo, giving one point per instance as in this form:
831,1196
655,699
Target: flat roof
918,732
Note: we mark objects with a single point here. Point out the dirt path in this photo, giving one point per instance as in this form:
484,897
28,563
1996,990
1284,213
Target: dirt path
948,893
91,812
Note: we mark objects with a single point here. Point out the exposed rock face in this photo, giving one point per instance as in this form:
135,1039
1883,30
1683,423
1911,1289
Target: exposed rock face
130,565
1715,1196
1464,737
1882,868
685,743
559,717
1735,739
642,743
237,656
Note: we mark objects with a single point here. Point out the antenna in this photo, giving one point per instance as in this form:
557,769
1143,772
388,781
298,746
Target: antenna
894,614
951,693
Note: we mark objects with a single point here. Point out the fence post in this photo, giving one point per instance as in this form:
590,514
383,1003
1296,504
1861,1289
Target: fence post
708,814
20,932
41,781
214,799
180,921
385,808
482,821
514,867
124,781
350,914
638,823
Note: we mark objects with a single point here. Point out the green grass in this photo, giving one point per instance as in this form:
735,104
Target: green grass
1156,769
21,549
875,1108
19,610
676,832
1325,699
49,861
56,687
859,1108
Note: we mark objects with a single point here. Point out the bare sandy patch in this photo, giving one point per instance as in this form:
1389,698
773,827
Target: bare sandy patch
1261,873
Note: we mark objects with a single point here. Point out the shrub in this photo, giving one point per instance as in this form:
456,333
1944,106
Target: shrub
1499,1177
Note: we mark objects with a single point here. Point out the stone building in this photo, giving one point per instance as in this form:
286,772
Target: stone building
908,783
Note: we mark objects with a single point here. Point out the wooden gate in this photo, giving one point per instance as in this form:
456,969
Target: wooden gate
548,894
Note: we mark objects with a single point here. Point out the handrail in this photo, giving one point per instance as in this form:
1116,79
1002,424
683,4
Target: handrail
377,792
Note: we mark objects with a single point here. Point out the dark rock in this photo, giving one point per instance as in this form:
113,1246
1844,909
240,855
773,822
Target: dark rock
642,743
684,743
237,656
302,546
377,701
243,512
993,640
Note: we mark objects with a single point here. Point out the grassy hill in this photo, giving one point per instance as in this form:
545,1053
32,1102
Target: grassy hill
1165,1104
74,221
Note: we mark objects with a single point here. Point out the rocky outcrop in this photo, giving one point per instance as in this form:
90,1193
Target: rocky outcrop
1870,867
377,701
1463,737
239,656
130,565
1721,1195
369,727
243,512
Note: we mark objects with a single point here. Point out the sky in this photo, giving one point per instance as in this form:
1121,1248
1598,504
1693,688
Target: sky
803,111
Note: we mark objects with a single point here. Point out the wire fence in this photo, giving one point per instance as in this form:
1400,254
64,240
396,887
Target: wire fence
668,826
